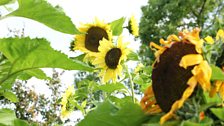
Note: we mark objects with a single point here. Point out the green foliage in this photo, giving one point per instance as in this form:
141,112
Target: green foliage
217,73
3,2
43,12
164,17
218,112
110,88
133,56
7,117
10,96
27,55
117,26
107,114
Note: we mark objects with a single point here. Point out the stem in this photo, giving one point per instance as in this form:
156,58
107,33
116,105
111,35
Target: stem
131,84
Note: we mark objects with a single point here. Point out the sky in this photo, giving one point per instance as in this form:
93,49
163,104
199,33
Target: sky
80,11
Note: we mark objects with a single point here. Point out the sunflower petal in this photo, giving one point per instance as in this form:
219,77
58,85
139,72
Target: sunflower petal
190,60
209,40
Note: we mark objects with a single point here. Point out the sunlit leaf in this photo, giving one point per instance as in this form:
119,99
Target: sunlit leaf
218,112
205,122
19,122
110,88
7,117
217,73
30,54
43,12
10,96
133,56
38,73
3,2
106,114
117,26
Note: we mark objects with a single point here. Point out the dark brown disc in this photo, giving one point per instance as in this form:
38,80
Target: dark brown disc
169,80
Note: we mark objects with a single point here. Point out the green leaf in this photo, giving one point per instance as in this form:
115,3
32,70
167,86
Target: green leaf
217,73
30,54
117,26
7,117
80,57
10,96
205,122
3,2
110,88
19,122
218,112
133,56
38,73
138,80
106,114
214,99
43,12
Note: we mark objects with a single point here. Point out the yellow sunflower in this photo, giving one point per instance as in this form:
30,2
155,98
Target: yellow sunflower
66,110
89,42
178,68
109,59
133,26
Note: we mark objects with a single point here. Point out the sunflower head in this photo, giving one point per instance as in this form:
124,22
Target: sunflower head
67,107
178,68
133,26
109,59
89,42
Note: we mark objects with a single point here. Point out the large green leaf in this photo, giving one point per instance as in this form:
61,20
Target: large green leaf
29,54
106,114
7,117
110,88
3,2
117,26
43,12
38,73
217,73
219,112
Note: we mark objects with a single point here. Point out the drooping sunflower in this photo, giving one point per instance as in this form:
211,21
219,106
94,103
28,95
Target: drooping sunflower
109,59
179,67
66,107
133,26
89,42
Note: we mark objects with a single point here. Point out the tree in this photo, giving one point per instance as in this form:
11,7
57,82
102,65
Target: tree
164,17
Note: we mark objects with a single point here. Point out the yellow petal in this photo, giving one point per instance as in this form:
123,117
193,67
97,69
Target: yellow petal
190,60
221,91
203,73
220,34
173,38
209,40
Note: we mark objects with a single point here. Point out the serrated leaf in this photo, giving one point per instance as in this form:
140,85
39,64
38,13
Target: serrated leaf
214,99
133,56
217,73
117,26
218,112
3,2
38,73
7,117
106,114
30,54
43,12
10,96
110,88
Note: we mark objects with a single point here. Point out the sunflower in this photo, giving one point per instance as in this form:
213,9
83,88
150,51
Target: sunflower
66,107
109,59
133,26
178,68
89,42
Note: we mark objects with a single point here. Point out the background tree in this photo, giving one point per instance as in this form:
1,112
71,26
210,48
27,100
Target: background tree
164,17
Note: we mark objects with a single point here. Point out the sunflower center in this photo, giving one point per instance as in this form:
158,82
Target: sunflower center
169,80
93,36
112,58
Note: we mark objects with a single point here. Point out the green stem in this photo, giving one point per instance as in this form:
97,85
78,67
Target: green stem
131,84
